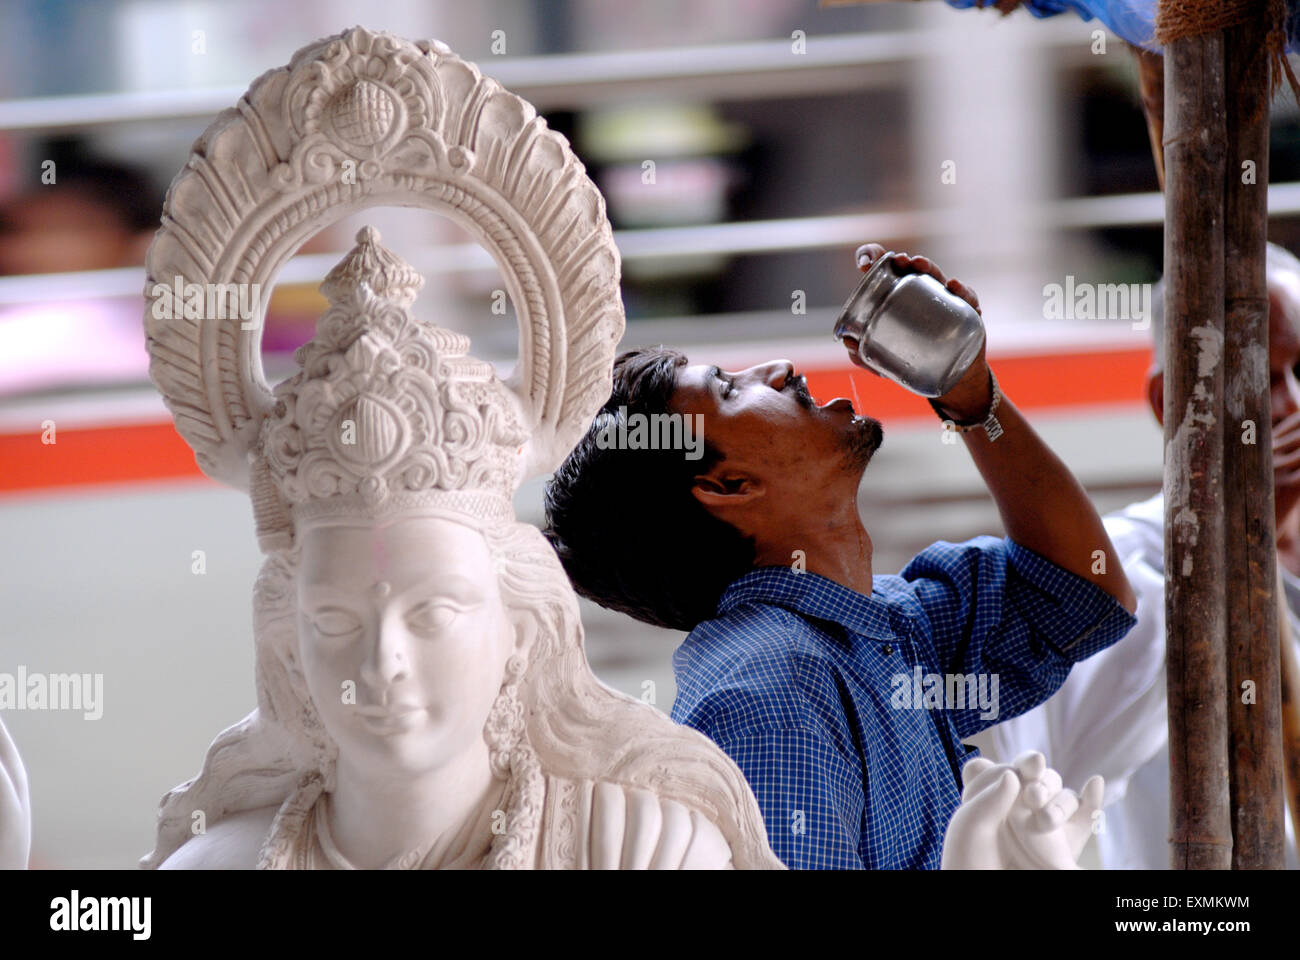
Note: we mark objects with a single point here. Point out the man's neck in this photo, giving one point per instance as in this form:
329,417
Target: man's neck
833,545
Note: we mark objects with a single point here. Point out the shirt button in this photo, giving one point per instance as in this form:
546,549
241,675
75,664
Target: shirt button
886,649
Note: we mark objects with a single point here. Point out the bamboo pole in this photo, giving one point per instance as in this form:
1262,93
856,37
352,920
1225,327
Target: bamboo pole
1253,692
1200,829
1151,86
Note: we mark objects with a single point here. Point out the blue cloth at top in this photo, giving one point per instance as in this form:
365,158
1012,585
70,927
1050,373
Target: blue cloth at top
1133,20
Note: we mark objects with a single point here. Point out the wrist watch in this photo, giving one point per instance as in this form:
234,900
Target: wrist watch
992,428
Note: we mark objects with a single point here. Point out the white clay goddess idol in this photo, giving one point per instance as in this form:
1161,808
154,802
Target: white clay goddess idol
423,695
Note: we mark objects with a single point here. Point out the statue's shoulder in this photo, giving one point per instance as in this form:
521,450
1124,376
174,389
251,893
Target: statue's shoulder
601,825
232,843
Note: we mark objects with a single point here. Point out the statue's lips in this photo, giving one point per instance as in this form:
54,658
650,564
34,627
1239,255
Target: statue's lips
400,716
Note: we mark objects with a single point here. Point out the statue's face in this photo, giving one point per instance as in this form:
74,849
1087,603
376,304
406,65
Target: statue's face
403,638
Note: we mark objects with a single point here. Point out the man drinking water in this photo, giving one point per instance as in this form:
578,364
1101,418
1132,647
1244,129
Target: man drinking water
758,549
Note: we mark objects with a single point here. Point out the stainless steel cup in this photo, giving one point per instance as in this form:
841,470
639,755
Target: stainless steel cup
911,329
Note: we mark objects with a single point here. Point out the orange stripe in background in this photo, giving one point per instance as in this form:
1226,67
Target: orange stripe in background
132,453
1103,377
126,453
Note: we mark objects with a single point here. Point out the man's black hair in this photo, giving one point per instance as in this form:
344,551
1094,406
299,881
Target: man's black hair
624,521
128,192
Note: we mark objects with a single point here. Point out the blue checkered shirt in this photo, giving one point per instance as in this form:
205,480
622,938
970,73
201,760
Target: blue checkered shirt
842,709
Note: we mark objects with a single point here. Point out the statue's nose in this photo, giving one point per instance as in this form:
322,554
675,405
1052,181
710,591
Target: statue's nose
387,662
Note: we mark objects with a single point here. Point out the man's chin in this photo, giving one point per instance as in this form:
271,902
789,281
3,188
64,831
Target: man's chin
864,439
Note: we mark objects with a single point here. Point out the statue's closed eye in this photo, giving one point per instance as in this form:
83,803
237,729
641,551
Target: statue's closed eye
334,622
430,617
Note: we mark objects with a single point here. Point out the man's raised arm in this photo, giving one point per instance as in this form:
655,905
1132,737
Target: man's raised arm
1043,506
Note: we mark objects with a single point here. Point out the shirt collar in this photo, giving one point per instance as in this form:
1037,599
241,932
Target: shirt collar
812,595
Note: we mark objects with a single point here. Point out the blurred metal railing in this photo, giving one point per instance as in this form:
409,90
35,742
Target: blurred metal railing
732,71
747,237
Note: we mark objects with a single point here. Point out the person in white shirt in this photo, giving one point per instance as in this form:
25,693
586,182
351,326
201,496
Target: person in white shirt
1109,717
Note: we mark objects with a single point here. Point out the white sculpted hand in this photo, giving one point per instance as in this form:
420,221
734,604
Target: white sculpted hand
1017,816
633,829
15,807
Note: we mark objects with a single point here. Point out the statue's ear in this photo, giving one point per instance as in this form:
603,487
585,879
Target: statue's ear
525,630
294,668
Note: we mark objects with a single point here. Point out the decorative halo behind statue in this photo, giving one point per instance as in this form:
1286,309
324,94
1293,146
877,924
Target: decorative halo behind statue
363,120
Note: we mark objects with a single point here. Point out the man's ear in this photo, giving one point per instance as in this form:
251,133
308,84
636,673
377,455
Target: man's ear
724,490
1156,393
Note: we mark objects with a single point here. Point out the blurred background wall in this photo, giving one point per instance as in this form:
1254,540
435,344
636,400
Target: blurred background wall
781,136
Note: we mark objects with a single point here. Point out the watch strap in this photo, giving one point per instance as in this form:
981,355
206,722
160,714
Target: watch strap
992,428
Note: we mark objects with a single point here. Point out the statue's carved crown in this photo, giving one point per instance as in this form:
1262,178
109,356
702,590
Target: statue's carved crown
387,414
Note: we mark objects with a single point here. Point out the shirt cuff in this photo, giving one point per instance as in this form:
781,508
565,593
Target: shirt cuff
1062,605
